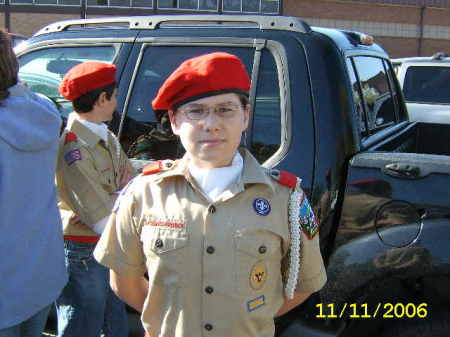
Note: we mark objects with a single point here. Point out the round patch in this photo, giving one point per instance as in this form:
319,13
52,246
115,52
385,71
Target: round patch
261,206
258,275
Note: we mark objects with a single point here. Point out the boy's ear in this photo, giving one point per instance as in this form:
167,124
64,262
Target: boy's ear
101,98
173,121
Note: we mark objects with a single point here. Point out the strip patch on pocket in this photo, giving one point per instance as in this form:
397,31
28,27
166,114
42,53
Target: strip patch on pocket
256,303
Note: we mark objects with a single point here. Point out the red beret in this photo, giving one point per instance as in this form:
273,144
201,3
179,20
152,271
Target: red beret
202,76
85,77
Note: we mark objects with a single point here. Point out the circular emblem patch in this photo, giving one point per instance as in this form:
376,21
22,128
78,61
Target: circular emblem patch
258,275
261,206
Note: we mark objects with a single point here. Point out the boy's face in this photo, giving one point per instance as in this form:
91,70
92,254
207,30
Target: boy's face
213,140
107,105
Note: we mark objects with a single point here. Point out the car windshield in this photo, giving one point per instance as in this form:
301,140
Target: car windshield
427,84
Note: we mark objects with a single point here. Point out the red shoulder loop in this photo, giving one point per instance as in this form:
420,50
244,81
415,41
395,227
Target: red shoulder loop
287,179
152,168
70,137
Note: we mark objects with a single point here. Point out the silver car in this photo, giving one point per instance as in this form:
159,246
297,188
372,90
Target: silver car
426,86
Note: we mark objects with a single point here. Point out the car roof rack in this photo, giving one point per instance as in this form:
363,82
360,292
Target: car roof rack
439,56
270,22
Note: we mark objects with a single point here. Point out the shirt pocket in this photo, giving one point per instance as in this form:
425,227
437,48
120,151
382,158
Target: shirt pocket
165,251
258,261
107,176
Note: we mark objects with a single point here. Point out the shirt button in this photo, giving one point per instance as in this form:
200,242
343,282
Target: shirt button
209,290
212,209
262,249
208,327
210,250
159,243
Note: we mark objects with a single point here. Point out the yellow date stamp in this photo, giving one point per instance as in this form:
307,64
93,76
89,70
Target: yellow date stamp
378,310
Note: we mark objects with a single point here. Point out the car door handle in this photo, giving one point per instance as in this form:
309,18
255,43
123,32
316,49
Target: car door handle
399,170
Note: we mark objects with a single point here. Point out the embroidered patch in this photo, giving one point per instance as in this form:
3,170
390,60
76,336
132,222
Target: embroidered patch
70,137
308,221
72,156
165,224
261,206
258,275
256,303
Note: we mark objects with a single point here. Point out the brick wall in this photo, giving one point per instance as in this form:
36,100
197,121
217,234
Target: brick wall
396,27
27,24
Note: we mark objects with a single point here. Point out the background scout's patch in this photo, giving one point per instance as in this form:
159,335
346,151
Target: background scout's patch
72,156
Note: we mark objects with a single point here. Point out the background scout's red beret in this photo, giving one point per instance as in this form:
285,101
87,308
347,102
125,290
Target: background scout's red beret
85,77
202,76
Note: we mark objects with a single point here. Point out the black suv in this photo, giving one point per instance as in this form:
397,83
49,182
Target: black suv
327,107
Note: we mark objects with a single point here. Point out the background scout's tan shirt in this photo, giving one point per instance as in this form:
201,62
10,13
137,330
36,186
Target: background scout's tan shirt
214,268
88,172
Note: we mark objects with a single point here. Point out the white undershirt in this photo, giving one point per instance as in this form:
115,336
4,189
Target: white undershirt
214,181
100,129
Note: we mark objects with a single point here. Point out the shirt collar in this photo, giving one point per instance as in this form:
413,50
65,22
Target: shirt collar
252,172
83,132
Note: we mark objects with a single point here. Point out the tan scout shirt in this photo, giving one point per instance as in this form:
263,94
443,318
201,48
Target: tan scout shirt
214,268
88,172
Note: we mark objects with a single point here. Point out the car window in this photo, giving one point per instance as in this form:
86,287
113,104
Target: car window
42,70
357,98
427,84
158,62
376,93
266,127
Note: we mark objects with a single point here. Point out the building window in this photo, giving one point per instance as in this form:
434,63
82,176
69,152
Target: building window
119,3
230,6
252,6
206,5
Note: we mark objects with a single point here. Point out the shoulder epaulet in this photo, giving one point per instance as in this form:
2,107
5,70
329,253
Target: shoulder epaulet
158,166
284,178
70,137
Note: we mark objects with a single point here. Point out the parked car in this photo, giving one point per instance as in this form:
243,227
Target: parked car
327,107
426,86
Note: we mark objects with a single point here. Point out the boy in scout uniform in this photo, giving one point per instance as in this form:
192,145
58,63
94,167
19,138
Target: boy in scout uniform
92,168
227,244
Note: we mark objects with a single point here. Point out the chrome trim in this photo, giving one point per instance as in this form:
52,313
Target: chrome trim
264,22
67,43
280,56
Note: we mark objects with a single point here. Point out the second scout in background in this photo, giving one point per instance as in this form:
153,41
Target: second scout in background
92,167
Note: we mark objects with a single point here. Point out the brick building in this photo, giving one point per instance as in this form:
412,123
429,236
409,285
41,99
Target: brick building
403,27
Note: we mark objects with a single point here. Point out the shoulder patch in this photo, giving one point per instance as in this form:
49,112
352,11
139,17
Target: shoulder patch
152,168
70,137
158,166
307,219
284,178
72,156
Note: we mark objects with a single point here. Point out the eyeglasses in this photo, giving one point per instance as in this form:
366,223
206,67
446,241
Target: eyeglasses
197,111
